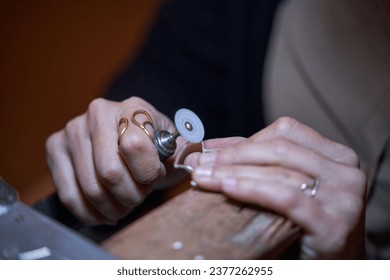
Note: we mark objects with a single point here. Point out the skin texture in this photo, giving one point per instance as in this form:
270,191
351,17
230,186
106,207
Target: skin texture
95,180
100,183
268,169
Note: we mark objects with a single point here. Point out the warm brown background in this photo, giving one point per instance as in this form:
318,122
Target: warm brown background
55,57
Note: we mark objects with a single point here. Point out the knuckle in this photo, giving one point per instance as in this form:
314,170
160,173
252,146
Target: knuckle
94,193
75,127
136,101
352,156
52,141
353,179
134,143
136,200
284,124
97,105
109,174
96,108
67,199
348,155
52,145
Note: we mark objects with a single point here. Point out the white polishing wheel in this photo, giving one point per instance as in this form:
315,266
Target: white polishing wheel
189,125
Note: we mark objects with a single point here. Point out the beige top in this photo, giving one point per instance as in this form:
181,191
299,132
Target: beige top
329,67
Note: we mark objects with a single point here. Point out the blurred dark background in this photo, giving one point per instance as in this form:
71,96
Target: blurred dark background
55,57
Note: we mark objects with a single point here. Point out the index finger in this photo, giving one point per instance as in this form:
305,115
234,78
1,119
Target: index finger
136,142
294,131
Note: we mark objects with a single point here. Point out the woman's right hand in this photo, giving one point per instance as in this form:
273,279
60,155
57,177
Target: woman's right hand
97,181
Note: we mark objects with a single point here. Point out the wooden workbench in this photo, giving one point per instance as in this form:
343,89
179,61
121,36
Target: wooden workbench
202,225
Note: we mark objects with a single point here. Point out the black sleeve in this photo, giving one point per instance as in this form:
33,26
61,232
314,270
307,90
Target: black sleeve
207,56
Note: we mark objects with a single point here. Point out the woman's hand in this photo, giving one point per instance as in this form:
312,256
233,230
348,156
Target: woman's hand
95,180
269,168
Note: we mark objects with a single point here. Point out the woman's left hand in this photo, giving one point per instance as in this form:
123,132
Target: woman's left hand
272,167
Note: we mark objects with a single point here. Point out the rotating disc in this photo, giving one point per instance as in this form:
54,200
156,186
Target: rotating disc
189,125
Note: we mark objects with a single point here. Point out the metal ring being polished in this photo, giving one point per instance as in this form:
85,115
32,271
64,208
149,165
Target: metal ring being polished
313,187
126,122
145,123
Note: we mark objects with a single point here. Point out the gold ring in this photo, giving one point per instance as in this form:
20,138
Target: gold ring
126,122
145,123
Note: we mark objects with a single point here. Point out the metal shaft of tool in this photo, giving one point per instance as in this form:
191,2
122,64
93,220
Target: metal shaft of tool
165,143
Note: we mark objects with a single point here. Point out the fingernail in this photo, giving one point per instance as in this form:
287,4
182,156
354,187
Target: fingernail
203,171
204,175
208,158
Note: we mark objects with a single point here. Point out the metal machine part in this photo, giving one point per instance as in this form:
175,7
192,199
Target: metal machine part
7,194
165,143
26,234
188,126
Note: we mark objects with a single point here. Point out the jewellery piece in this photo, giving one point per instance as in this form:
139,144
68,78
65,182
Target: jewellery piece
313,187
145,123
126,122
188,149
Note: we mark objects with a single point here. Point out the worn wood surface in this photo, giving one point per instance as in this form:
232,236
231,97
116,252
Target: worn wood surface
197,224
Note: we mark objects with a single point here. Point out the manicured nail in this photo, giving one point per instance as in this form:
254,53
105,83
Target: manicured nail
203,171
204,176
208,158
